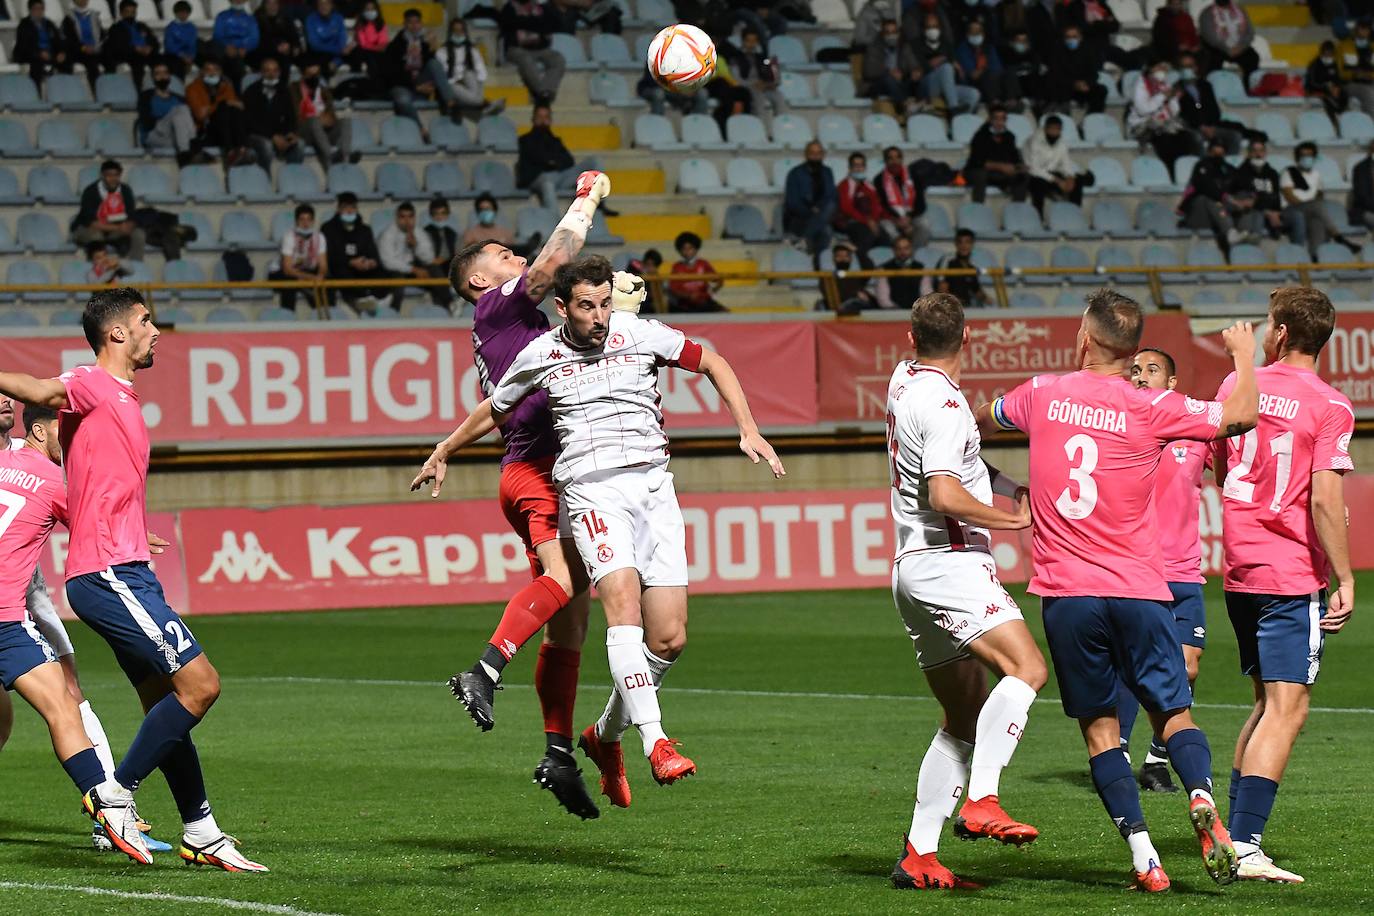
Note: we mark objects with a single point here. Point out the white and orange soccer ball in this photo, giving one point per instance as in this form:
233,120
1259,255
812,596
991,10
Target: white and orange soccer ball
682,58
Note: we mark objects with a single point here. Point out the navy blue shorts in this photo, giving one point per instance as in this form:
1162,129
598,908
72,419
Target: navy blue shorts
1190,613
126,606
1097,641
22,648
1278,636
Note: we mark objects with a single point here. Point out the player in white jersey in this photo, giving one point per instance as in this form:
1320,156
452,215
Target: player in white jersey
600,369
960,618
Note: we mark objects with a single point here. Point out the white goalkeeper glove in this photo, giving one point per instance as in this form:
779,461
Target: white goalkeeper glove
627,292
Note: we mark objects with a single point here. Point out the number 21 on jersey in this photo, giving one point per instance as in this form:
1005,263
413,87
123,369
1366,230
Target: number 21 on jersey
1243,490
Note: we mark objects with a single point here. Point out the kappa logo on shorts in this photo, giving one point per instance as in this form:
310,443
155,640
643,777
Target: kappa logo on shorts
616,342
991,610
604,553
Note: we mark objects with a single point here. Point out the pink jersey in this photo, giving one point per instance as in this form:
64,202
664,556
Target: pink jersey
1268,540
105,449
32,499
1095,444
1178,499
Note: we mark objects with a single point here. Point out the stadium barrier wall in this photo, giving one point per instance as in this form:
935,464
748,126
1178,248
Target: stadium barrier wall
301,558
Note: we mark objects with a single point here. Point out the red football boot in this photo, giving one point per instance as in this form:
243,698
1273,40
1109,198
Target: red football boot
611,762
984,817
667,764
1218,855
915,871
1153,881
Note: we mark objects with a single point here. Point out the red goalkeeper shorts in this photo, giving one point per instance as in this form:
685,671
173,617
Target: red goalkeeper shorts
530,502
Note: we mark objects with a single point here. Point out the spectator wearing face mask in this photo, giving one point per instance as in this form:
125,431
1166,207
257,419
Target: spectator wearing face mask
809,201
1210,201
271,118
316,120
1360,207
164,120
442,236
82,35
181,41
900,292
1154,116
370,39
993,159
890,69
303,256
1325,79
1301,187
1174,32
913,19
352,255
1260,180
414,72
484,225
219,114
967,288
693,295
902,198
939,78
1053,173
855,295
235,37
1359,50
858,213
1198,108
982,68
1072,74
1023,64
406,251
466,72
130,42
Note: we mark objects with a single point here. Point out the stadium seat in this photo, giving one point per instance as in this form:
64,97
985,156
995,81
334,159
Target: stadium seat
116,91
1067,219
699,176
1253,295
1157,220
205,184
250,184
301,182
10,192
59,137
1110,256
174,316
8,245
746,175
1254,255
445,179
497,133
1205,254
937,218
534,221
838,90
1277,126
780,169
227,314
40,232
429,311
1229,89
69,92
1021,220
789,52
881,131
1342,296
275,314
701,131
1332,179
1067,257
655,11
1104,130
1158,256
151,184
1148,174
790,259
1109,175
791,132
14,139
50,185
29,273
283,221
243,229
344,176
14,317
963,127
206,237
928,131
402,135
981,219
109,137
1317,127
496,178
612,89
1021,257
1069,299
746,132
218,274
796,89
1183,171
447,134
1021,299
1111,220
1022,127
74,272
574,55
397,181
611,51
1357,127
18,93
600,233
182,271
655,132
836,133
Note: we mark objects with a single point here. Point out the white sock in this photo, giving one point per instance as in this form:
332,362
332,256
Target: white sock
1204,794
96,733
203,831
615,719
1143,855
1152,757
1000,724
634,681
944,772
491,672
113,792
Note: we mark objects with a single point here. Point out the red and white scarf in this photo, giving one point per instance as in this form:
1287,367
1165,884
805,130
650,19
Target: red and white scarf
899,190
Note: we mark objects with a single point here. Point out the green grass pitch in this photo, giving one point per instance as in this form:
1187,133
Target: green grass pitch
339,758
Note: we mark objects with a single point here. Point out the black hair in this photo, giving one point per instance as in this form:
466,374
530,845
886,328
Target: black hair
179,6
37,413
411,12
461,264
485,197
347,199
687,238
103,309
405,206
966,233
593,269
1170,366
436,202
653,254
1055,120
110,165
303,209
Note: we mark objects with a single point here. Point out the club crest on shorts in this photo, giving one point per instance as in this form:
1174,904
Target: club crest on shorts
604,553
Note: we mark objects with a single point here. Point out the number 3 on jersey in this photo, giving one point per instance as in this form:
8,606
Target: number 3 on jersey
594,524
1083,449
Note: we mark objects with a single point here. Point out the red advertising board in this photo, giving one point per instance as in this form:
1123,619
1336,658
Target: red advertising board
1347,362
170,565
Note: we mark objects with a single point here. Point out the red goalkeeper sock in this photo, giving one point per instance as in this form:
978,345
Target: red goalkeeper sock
555,680
525,615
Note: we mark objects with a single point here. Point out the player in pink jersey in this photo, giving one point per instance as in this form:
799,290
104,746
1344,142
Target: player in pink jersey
1178,497
1095,444
33,499
110,583
1284,539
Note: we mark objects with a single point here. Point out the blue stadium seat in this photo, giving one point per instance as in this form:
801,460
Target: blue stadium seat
299,181
109,137
1253,295
1158,256
69,92
226,314
699,176
151,184
274,314
344,176
1067,257
701,131
283,221
1229,89
14,317
14,138
836,132
205,183
791,132
10,192
746,132
59,137
780,169
963,127
928,131
1103,130
446,179
881,131
838,89
1020,257
172,315
1317,127
534,220
1069,299
251,184
243,229
571,48
182,271
746,175
495,178
40,232
498,134
1157,220
50,184
745,222
218,274
1022,127
981,219
18,93
790,259
1277,126
937,218
402,135
612,89
116,91
1110,219
1021,220
1332,179
796,89
1205,254
1149,174
1067,219
29,273
73,273
8,245
206,237
1341,296
789,52
1021,299
364,137
655,132
1254,255
447,134
611,51
655,12
1357,126
1110,256
600,233
397,181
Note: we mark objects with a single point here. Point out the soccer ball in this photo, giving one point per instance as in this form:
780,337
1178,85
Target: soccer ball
682,59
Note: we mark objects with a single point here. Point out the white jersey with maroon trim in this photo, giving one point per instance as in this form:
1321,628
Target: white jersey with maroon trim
930,432
605,400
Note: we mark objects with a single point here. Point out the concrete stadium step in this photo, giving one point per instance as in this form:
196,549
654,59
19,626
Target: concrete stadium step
1268,15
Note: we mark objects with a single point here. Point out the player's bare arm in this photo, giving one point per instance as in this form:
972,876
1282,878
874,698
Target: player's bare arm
571,233
478,424
46,391
986,424
1330,520
1240,410
726,383
948,496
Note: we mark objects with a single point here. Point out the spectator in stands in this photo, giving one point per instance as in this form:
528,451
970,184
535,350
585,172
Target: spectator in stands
105,269
130,42
82,36
352,254
1227,35
692,295
277,36
809,201
1198,108
732,97
602,14
868,22
650,267
1154,116
759,73
406,251
370,41
38,43
966,289
1360,74
218,113
900,292
982,68
414,71
1174,32
165,120
484,225
890,69
326,36
859,212
525,29
1023,64
1098,25
316,120
1360,208
235,36
1209,202
1325,79
659,98
272,118
544,166
939,79
1301,186
1072,74
181,41
761,16
1051,170
993,159
107,214
854,293
1260,180
960,17
303,256
902,198
913,19
442,236
466,72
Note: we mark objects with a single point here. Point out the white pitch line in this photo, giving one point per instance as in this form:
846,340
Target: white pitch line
276,909
726,692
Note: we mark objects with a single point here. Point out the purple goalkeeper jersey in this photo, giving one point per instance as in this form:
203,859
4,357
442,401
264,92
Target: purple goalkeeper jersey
503,322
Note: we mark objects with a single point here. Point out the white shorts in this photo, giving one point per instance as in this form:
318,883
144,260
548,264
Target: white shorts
947,599
44,614
629,518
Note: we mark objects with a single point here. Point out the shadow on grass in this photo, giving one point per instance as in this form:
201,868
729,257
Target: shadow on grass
479,851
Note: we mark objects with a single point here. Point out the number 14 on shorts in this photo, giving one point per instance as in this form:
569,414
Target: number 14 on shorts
593,523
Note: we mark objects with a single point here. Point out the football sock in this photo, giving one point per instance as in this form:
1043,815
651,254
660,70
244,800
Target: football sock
613,722
181,768
1159,751
96,733
1191,756
85,769
634,681
203,831
1143,854
1254,802
944,771
555,681
1127,710
164,725
1115,785
1231,796
1000,726
526,613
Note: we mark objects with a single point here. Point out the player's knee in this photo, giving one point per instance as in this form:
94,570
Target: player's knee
667,646
1034,673
200,692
